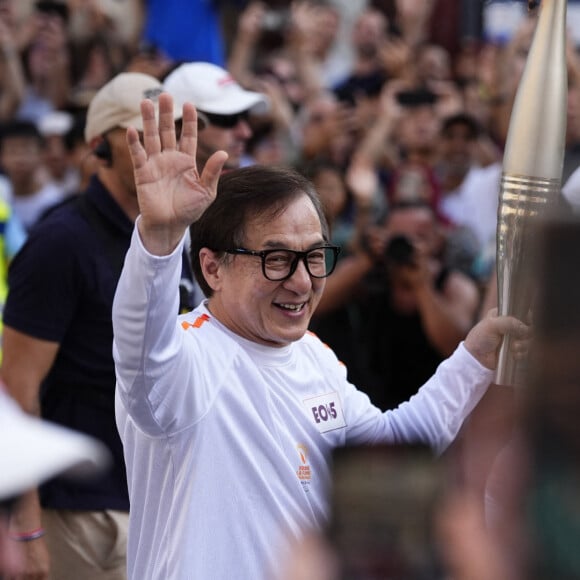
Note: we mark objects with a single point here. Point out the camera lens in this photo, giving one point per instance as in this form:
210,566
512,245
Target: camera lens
400,251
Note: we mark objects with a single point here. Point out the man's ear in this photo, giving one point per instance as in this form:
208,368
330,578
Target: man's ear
211,267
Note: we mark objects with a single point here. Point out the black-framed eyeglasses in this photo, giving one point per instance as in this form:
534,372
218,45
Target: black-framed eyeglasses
280,264
226,121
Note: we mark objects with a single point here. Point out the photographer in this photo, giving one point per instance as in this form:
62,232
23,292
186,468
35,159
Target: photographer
402,308
416,309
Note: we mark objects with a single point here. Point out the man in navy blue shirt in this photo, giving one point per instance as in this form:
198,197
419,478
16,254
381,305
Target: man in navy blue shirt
58,344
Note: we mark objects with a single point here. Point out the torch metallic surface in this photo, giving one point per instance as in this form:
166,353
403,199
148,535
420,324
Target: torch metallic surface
532,168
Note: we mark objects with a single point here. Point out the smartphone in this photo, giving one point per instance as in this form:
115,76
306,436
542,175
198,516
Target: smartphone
416,98
52,8
383,504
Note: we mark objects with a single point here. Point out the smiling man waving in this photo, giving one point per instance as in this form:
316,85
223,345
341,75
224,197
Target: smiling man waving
228,414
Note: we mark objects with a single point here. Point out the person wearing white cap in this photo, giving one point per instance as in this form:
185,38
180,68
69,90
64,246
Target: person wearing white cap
54,127
32,451
58,338
222,103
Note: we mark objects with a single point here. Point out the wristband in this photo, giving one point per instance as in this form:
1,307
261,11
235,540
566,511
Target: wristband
28,536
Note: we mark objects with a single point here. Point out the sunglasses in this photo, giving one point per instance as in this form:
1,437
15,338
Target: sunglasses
226,121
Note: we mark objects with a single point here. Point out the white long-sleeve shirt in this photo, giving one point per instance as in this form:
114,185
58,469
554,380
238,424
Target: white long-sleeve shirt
227,442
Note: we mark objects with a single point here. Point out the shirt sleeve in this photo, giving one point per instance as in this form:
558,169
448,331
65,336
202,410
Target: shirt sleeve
147,343
432,416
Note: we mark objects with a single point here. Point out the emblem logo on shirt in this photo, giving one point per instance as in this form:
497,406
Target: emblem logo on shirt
325,411
304,472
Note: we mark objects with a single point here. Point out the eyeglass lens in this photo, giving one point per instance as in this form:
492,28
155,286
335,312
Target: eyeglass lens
280,264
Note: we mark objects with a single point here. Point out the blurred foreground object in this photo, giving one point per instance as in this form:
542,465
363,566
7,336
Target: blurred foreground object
32,450
551,499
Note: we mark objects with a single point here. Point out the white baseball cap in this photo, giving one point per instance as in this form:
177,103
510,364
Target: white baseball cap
33,450
118,103
211,89
55,123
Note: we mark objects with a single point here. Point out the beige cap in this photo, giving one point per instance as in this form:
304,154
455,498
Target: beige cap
118,103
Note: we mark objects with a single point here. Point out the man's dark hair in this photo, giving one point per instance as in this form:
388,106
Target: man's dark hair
20,128
464,119
312,168
244,195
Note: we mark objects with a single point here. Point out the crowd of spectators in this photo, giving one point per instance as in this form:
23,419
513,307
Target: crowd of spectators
396,110
383,104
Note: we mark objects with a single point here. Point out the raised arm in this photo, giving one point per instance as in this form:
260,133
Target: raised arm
147,336
171,192
436,413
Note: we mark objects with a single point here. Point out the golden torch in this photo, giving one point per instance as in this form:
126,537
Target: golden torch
532,169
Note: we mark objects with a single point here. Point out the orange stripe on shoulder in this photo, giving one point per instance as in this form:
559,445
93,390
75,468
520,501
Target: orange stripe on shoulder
197,323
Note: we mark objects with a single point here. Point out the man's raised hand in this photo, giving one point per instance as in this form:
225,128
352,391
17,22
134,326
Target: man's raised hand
171,192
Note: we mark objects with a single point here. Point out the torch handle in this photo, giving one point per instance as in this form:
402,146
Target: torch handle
525,200
532,168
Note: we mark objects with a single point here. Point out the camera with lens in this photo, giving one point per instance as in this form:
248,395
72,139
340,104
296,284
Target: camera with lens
400,251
